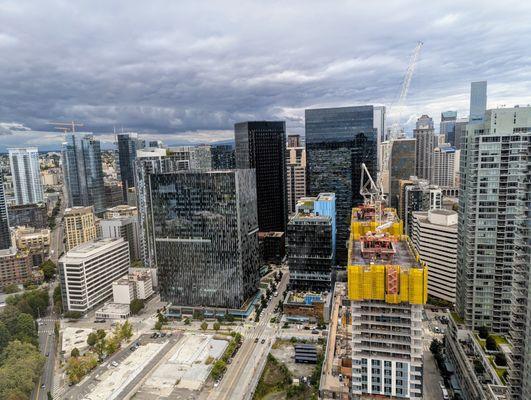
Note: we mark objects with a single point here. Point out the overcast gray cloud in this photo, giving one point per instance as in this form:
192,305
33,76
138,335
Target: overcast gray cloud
188,70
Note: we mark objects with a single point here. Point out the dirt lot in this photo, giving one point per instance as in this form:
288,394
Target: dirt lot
284,351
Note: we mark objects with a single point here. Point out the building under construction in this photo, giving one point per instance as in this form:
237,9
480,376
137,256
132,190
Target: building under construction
387,288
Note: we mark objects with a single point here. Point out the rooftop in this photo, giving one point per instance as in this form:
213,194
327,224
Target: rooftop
89,248
78,210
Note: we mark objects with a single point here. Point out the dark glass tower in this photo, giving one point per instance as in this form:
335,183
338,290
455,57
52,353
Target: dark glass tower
127,145
5,236
262,145
205,231
83,172
401,166
338,140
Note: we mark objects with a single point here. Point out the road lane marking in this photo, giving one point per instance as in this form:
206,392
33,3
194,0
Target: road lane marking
40,379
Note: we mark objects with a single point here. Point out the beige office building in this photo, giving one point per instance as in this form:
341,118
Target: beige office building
79,226
295,175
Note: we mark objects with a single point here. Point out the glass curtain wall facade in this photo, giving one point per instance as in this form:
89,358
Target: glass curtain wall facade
128,144
223,157
338,140
262,145
402,166
83,172
205,231
447,127
5,235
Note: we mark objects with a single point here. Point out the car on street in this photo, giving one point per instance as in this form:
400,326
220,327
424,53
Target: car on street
263,341
114,364
256,340
43,386
315,331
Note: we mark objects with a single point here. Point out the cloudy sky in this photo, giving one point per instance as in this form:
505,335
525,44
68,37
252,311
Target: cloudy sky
188,70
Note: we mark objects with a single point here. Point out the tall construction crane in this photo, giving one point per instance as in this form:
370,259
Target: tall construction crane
372,192
396,128
65,126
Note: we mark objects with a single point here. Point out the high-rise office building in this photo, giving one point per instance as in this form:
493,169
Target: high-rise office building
157,160
478,101
34,215
445,166
205,230
5,235
26,173
387,289
494,178
128,144
295,175
122,222
83,172
401,166
460,131
79,226
223,157
294,141
338,141
86,272
447,126
261,145
310,250
425,136
417,195
434,235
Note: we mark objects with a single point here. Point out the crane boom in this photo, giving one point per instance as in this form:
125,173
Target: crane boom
396,126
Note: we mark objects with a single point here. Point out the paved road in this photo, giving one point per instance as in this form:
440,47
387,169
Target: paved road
239,380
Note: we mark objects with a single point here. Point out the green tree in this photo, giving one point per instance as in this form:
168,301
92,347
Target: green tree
74,352
435,346
135,306
26,330
49,269
112,345
187,321
12,288
483,332
500,359
127,330
218,369
9,317
92,339
49,395
73,314
158,325
490,344
5,336
20,367
101,334
216,326
204,326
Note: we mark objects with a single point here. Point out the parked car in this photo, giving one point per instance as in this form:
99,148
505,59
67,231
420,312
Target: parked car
263,341
315,332
256,340
114,364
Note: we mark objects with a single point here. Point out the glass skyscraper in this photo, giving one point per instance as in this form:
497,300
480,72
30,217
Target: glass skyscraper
338,141
401,166
127,143
205,231
478,101
5,235
447,127
83,172
262,145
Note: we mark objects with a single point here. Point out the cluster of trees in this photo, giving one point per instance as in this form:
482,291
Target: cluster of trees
11,288
219,367
55,211
490,341
33,302
49,269
100,345
20,360
21,365
136,306
57,300
436,348
161,320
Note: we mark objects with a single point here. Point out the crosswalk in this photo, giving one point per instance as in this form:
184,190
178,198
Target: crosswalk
58,390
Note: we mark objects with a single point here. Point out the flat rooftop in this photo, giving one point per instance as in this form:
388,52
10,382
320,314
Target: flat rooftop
403,255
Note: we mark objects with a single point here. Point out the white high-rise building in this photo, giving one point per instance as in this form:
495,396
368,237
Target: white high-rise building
26,173
87,272
434,234
445,166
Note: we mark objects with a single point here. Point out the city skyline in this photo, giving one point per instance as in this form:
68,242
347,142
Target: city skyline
239,81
